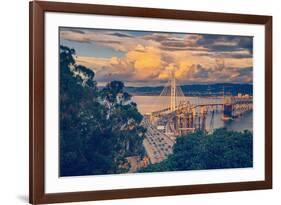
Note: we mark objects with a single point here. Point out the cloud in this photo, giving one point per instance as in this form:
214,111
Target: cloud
138,64
223,43
122,35
75,30
176,42
219,73
228,54
116,40
200,72
147,67
246,43
147,62
150,58
166,41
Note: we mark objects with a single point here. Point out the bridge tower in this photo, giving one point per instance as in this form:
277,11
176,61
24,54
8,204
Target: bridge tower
173,91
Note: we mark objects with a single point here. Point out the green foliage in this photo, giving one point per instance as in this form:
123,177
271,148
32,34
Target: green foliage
197,151
98,129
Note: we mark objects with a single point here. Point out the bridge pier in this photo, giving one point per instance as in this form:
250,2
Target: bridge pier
188,117
227,112
234,106
184,123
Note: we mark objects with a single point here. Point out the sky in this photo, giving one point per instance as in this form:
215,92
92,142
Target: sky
144,58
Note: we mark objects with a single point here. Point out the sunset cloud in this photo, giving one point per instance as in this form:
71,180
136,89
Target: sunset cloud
148,58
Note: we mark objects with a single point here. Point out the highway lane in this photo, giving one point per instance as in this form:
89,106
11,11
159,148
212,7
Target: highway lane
157,145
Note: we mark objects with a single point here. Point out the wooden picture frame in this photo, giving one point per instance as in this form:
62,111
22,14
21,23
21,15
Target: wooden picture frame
37,11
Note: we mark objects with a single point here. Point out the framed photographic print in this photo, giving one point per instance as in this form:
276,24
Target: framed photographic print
139,102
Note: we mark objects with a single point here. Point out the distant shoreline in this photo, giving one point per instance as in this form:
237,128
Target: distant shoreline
196,90
201,90
157,95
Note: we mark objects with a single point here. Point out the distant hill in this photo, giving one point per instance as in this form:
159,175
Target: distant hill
197,89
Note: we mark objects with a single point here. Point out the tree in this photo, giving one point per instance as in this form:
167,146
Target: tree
197,151
98,129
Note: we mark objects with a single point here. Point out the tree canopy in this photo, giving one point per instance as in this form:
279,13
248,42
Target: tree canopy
98,128
197,151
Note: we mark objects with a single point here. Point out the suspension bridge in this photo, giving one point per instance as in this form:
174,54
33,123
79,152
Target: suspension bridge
180,116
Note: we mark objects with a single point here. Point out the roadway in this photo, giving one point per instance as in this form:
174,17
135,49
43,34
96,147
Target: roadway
157,145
